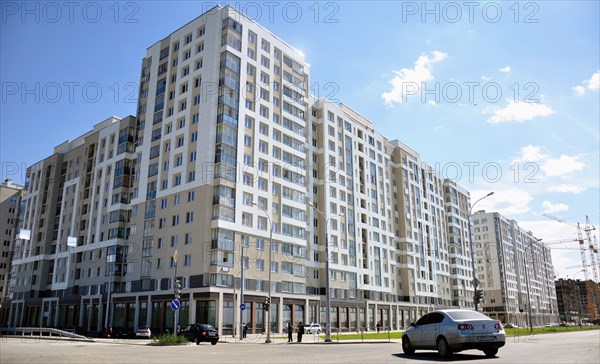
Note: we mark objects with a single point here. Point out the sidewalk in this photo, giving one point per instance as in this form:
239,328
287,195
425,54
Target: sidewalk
306,339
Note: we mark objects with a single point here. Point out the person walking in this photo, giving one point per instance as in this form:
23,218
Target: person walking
300,331
244,330
290,330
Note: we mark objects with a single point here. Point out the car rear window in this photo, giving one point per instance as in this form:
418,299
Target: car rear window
467,315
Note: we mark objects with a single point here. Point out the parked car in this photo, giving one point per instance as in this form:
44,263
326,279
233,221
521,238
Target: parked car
312,329
74,330
451,331
511,326
123,332
200,333
143,332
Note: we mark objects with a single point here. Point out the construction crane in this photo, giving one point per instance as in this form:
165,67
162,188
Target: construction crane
561,241
587,229
592,246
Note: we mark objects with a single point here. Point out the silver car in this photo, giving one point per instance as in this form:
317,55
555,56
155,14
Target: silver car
451,331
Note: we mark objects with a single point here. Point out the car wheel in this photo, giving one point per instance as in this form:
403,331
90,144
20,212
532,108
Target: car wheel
490,353
407,348
443,348
308,331
213,342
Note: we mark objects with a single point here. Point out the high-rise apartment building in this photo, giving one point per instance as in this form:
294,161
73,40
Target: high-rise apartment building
420,228
458,204
515,270
10,203
76,208
578,300
233,177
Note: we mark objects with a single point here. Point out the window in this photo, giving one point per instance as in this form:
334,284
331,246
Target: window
265,46
177,180
264,61
175,220
189,217
187,260
263,147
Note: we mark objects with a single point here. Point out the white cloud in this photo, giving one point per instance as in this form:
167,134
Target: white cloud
564,187
505,69
593,84
507,202
580,90
531,153
520,112
408,81
550,207
562,166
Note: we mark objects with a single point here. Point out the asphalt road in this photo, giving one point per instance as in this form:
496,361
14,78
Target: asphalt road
570,347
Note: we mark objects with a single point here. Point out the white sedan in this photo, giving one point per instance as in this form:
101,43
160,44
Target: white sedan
312,329
451,331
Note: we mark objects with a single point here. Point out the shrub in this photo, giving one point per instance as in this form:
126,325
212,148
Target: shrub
170,339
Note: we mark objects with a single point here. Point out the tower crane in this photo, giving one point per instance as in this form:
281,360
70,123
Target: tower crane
592,247
580,230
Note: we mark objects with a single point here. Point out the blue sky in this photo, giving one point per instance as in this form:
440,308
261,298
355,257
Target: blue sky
500,96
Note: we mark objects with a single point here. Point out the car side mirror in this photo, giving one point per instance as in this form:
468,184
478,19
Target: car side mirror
412,324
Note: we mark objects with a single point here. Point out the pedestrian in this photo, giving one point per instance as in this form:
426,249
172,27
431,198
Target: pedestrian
290,330
244,330
378,326
300,331
109,331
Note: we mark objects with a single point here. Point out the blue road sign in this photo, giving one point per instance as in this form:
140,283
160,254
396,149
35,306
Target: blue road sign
175,304
242,306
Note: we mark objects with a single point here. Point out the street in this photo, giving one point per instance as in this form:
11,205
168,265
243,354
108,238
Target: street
571,347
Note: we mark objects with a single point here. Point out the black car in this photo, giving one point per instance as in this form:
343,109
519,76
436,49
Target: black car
118,333
200,333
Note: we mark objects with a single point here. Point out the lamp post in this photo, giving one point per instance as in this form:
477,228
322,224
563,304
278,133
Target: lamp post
475,281
528,295
242,323
525,262
327,298
268,340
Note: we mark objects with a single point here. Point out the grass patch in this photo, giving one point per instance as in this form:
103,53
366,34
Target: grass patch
383,335
170,339
547,330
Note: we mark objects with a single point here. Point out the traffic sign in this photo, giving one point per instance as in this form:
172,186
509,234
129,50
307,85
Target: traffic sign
175,304
242,306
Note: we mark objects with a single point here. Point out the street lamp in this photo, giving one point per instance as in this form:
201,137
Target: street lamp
268,340
327,300
476,294
525,262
